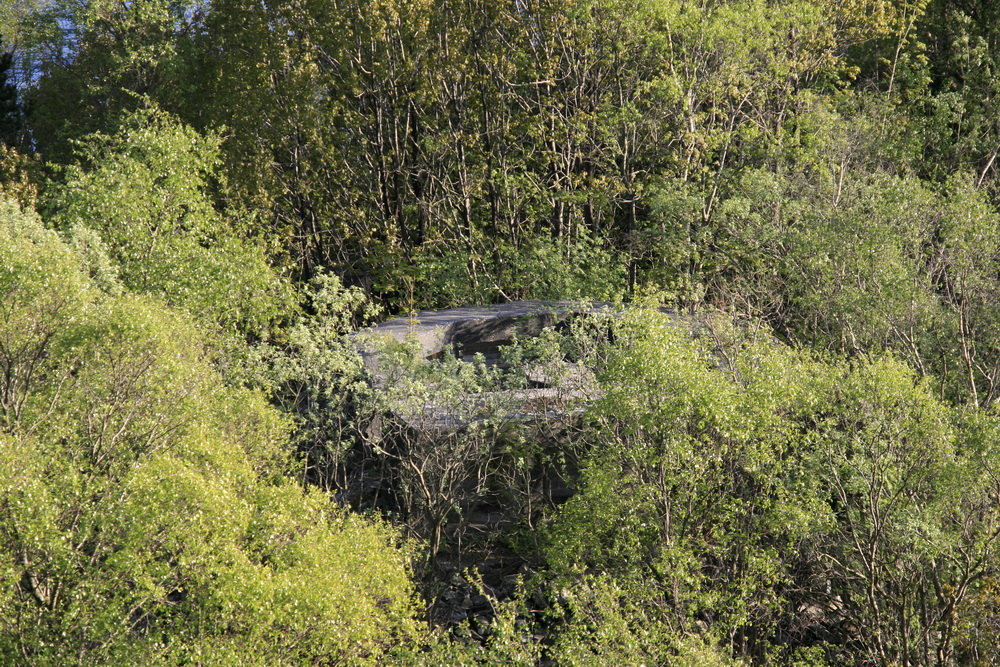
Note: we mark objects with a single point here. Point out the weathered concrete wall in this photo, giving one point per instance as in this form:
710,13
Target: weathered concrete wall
473,329
437,330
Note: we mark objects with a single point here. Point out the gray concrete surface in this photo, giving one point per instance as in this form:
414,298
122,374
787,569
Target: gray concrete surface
476,329
438,330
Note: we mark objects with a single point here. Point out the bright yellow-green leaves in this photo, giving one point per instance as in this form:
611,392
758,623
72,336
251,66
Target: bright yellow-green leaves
146,192
44,300
144,515
721,464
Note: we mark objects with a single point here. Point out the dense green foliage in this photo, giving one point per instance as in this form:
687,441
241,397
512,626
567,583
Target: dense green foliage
201,201
146,515
144,192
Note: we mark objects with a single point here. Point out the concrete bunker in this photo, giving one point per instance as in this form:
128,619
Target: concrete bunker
478,334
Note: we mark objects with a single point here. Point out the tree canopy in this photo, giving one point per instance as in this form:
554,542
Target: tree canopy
787,454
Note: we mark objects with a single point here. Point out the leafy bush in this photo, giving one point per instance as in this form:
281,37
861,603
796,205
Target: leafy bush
146,192
145,515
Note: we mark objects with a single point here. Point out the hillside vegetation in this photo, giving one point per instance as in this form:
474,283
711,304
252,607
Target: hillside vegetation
201,200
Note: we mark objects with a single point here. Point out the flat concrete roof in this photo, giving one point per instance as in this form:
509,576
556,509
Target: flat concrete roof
437,330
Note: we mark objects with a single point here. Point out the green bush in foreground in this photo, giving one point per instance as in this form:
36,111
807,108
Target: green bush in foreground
145,515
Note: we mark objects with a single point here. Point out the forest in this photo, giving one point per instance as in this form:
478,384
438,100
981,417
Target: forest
202,202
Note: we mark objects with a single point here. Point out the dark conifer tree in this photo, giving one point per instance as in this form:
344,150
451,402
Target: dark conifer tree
10,110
